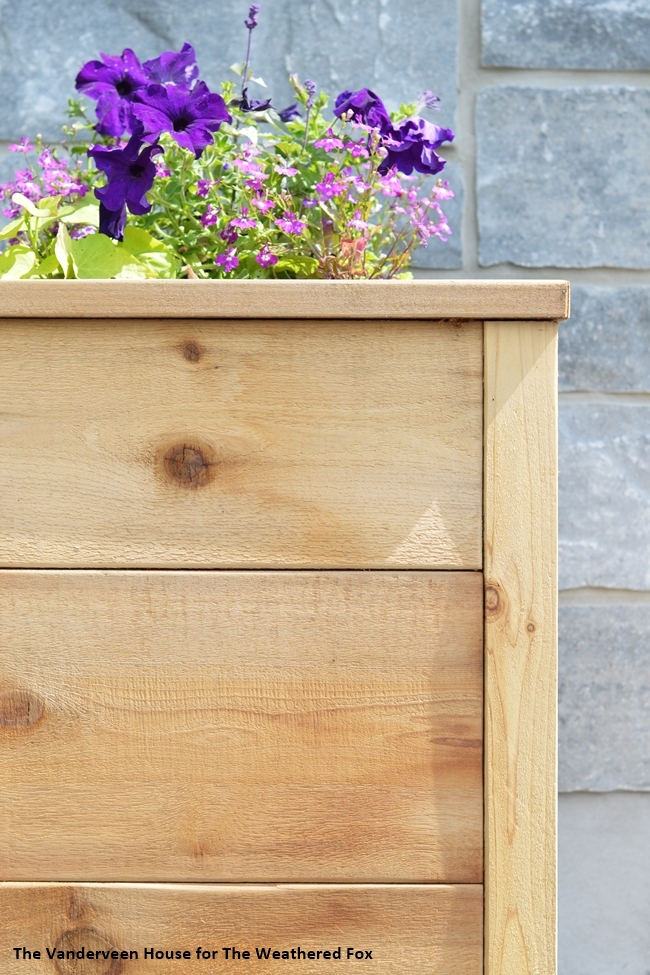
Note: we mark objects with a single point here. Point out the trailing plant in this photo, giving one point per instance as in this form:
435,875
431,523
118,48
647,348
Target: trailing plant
174,180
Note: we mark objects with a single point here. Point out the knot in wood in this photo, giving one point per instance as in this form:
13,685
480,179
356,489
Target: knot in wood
493,601
188,464
74,945
20,709
191,351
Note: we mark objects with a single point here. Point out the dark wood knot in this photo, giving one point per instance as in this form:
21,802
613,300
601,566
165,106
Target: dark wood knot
71,953
494,601
189,464
191,351
20,709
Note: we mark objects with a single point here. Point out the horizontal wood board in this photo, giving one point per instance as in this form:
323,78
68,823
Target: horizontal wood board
520,647
240,444
241,726
425,929
286,299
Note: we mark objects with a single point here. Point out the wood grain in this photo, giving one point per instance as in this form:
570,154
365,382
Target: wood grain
241,726
240,444
433,930
521,647
286,299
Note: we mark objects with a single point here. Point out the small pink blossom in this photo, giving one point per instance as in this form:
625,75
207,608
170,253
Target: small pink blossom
441,191
329,187
228,261
290,224
257,182
265,258
329,143
161,170
391,185
264,205
357,149
247,167
23,146
244,222
286,170
357,222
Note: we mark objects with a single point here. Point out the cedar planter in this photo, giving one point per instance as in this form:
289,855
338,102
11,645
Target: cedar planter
320,756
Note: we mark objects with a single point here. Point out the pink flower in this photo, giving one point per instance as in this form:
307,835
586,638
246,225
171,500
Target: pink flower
257,182
357,222
358,150
290,224
244,222
23,146
210,217
329,143
263,205
391,186
202,186
286,170
161,170
246,166
228,261
265,258
329,187
441,191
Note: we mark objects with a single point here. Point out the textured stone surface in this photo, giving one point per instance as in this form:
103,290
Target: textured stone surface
598,34
604,884
397,47
605,697
448,255
605,495
563,179
605,345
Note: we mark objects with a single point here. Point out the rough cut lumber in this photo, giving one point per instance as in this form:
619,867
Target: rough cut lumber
520,647
286,299
241,726
423,929
240,444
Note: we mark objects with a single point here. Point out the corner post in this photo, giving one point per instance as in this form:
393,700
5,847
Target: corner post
520,565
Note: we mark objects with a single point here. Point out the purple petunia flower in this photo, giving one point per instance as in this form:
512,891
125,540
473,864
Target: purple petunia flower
228,261
190,116
247,104
410,146
112,82
366,107
112,222
130,171
289,113
265,258
174,67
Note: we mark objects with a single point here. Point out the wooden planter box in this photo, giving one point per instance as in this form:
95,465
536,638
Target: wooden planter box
278,658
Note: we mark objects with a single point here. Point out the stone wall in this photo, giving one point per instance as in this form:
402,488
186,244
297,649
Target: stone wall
550,100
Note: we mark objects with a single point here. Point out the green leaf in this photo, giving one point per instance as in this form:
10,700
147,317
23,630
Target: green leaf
17,261
85,213
155,255
47,207
12,228
250,132
63,250
258,81
302,267
47,268
238,67
96,256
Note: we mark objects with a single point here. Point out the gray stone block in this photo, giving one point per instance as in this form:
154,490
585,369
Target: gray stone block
605,345
597,34
604,698
563,179
604,495
448,255
604,884
399,49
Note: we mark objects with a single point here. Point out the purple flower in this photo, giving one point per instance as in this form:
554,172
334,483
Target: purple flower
78,232
329,143
263,205
310,88
357,222
265,258
329,187
210,216
247,104
366,107
190,116
286,170
253,13
228,261
310,204
112,222
23,146
244,222
112,84
174,67
289,113
410,146
229,234
357,150
290,224
130,171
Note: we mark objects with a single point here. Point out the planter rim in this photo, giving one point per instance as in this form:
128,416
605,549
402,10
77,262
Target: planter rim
306,299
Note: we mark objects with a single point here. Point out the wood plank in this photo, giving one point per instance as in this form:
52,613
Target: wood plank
521,646
286,299
240,444
425,929
241,726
